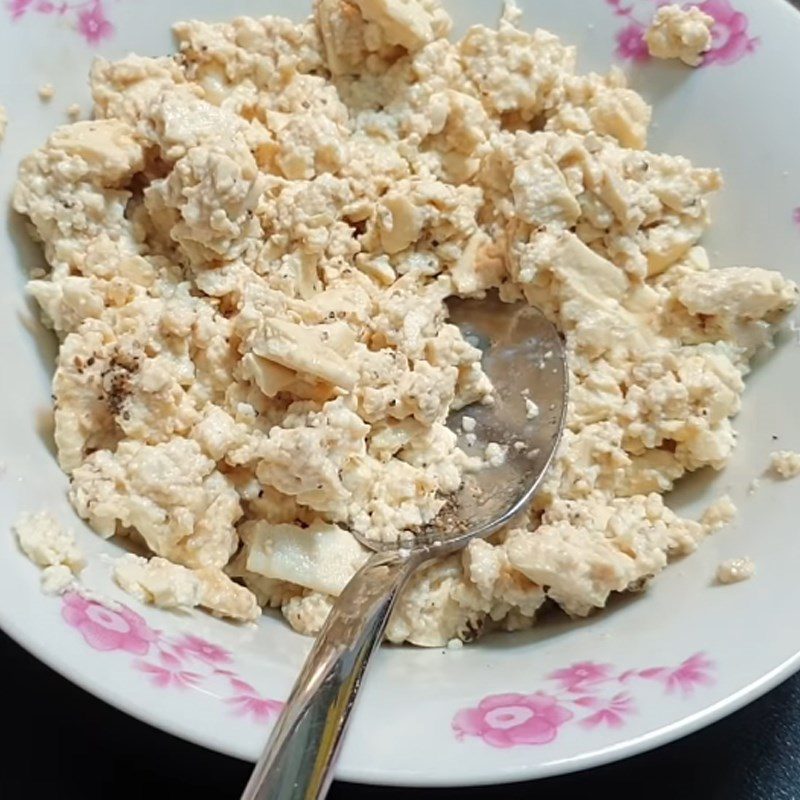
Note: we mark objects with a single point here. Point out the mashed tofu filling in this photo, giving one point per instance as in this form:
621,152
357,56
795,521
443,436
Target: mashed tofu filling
249,248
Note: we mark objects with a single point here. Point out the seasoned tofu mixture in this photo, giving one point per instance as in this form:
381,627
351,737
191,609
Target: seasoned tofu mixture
250,246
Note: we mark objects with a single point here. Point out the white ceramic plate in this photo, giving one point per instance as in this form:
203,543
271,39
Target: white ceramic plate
566,695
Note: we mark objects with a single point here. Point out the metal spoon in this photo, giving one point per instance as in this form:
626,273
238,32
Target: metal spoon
524,357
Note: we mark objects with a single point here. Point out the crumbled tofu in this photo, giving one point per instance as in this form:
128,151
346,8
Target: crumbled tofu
455,644
495,454
680,32
226,598
157,581
785,463
167,585
307,613
46,543
720,513
74,112
531,409
585,550
753,486
57,579
46,92
735,570
171,493
250,250
321,556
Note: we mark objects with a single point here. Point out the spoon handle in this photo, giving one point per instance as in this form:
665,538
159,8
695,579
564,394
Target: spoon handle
297,762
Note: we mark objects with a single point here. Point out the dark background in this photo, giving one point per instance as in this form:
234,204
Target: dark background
60,742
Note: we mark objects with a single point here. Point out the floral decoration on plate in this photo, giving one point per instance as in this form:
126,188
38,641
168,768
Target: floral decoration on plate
589,694
176,662
89,17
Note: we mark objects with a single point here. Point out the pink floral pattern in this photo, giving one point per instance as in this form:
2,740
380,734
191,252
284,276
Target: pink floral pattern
249,704
588,693
731,39
505,720
631,44
576,677
610,712
686,677
593,695
92,23
196,647
177,662
164,677
104,628
89,16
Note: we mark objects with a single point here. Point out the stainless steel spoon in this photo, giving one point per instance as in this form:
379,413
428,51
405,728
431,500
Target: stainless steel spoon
524,357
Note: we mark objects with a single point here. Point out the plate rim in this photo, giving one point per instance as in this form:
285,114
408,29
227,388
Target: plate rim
665,734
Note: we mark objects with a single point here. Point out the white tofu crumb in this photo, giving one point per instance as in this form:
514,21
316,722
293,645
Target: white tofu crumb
46,543
470,439
495,455
531,409
455,644
682,33
321,556
468,424
57,579
166,585
720,513
157,581
785,464
519,446
754,486
74,112
735,569
512,13
46,92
